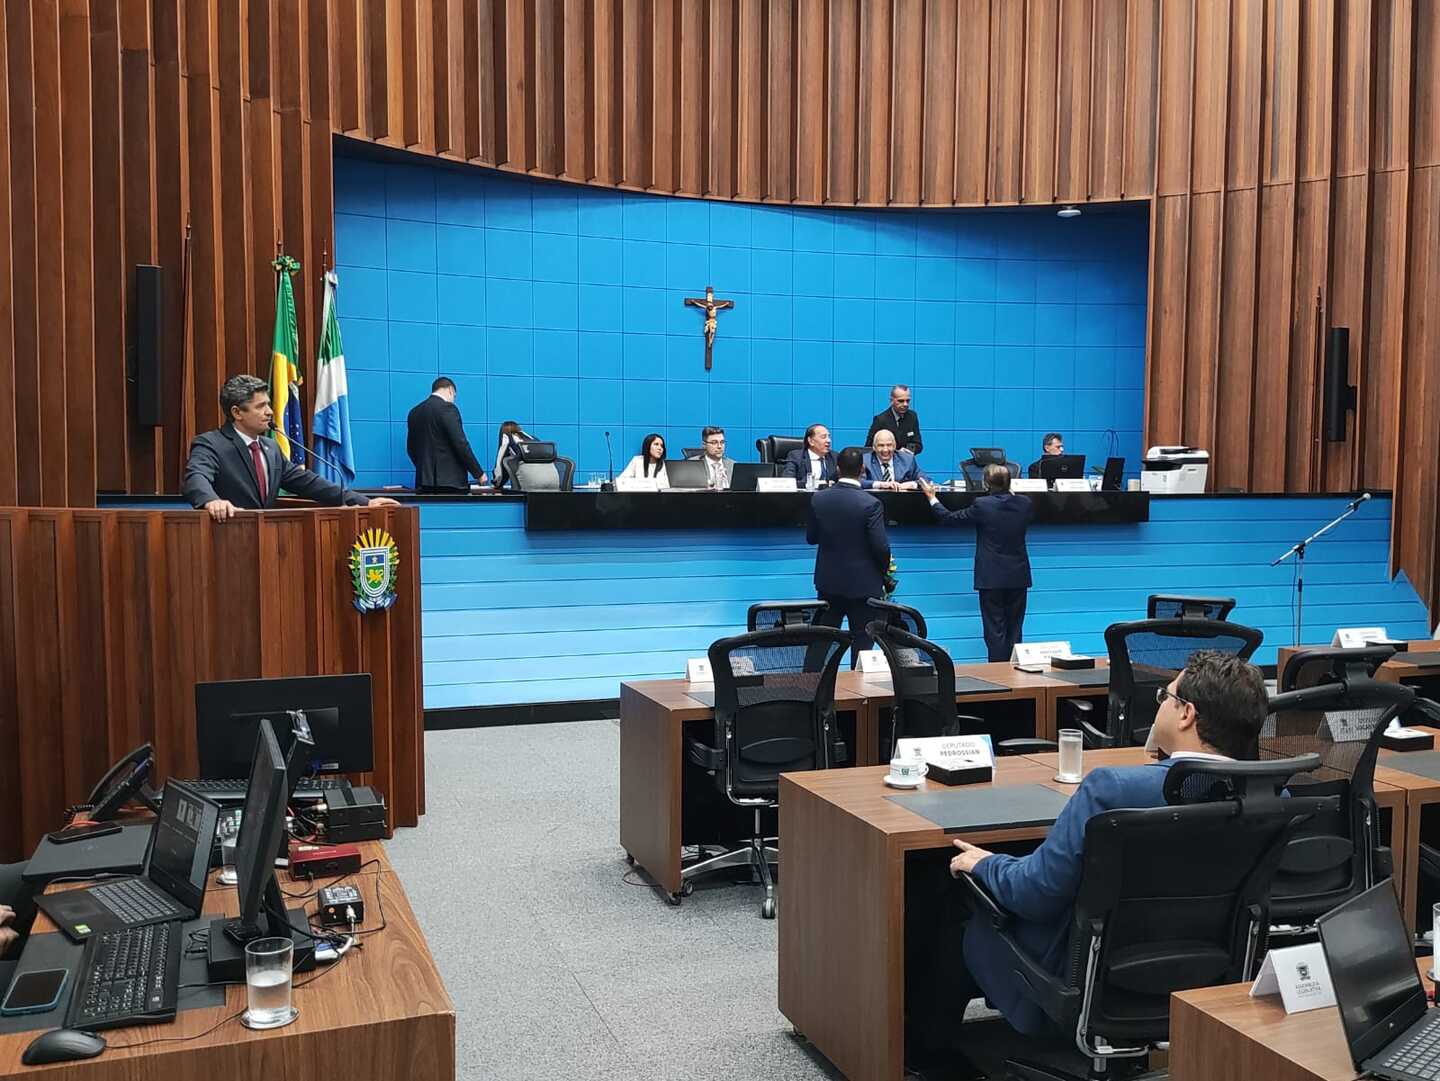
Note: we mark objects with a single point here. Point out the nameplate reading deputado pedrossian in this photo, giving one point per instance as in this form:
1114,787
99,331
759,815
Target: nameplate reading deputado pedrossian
952,759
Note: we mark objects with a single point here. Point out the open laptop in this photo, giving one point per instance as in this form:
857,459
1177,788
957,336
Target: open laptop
1392,1032
172,888
747,473
687,473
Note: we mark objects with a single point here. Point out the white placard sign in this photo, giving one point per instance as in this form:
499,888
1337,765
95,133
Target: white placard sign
637,484
1299,975
1071,484
775,484
1357,637
697,670
1033,653
950,752
873,660
1029,484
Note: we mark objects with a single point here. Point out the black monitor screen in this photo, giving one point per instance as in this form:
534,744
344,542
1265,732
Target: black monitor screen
261,827
1114,474
1068,466
1372,968
180,843
688,473
228,714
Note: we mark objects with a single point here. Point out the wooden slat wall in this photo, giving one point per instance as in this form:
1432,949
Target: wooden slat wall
1289,147
108,619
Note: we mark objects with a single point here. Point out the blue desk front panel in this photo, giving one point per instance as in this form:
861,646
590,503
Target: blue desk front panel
517,617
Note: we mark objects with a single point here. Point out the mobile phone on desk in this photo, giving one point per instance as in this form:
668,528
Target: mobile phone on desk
34,992
83,832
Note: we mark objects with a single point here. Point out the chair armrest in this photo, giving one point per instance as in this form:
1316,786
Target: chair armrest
983,904
704,755
1094,738
1026,746
1384,864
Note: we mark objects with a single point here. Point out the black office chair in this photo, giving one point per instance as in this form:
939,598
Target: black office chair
1145,655
1311,666
774,714
923,676
1171,898
691,453
1174,606
537,468
899,615
775,448
767,615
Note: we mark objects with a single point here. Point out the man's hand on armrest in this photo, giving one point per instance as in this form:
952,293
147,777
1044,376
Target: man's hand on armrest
965,862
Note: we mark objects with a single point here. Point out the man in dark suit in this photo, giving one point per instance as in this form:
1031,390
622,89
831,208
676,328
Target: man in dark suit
900,419
889,469
1002,566
236,468
853,550
1052,446
813,465
435,440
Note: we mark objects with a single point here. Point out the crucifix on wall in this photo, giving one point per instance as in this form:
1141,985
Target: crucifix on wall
710,306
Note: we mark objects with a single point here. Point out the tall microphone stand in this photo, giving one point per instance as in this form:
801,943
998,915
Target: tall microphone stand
1298,551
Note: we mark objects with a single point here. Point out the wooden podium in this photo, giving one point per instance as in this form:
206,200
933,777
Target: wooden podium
109,617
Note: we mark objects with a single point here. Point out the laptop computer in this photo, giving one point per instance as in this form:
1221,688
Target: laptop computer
687,473
747,473
1392,1032
1114,477
172,888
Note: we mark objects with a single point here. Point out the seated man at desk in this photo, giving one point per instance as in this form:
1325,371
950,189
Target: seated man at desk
888,468
1213,709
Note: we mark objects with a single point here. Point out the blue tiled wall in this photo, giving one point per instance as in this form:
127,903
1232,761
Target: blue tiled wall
511,616
562,307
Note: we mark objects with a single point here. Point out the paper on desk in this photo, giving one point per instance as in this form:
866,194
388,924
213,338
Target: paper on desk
1299,975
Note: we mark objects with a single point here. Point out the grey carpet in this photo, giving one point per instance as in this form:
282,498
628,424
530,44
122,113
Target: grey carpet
560,969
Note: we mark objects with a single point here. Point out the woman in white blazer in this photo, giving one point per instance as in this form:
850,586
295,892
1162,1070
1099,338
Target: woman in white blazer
650,462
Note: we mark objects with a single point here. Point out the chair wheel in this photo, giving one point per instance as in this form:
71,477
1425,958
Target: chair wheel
767,908
688,888
673,900
630,859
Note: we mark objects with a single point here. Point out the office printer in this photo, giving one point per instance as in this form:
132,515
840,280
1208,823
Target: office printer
1174,470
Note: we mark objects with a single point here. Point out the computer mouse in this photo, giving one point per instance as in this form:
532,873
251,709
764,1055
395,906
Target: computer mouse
62,1045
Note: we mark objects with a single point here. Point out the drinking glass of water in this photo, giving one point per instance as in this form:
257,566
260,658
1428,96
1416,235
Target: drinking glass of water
268,983
1071,750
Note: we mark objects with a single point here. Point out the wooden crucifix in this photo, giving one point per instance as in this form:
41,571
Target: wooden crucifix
710,306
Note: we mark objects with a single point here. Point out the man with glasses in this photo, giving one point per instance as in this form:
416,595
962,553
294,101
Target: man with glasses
719,469
900,419
1213,709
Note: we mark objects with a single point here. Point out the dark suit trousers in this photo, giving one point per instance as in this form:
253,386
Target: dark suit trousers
854,610
1002,614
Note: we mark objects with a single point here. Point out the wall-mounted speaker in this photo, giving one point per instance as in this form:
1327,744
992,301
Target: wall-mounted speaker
149,334
1339,394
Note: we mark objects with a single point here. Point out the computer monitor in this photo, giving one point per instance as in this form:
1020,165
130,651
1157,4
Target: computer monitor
1062,466
228,714
688,473
983,456
747,473
1114,477
261,827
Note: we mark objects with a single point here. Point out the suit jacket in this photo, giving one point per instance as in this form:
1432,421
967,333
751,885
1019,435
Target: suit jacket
903,466
220,468
853,552
437,445
797,465
728,463
906,429
1001,561
1040,890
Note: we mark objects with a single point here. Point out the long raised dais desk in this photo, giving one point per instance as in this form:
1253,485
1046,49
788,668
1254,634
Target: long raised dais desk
383,1013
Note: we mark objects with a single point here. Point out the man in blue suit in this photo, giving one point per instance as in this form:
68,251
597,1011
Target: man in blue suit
853,550
889,469
1002,565
1213,709
813,465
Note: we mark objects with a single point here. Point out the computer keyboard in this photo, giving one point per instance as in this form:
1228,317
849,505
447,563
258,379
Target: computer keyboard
1418,1056
135,900
127,977
232,789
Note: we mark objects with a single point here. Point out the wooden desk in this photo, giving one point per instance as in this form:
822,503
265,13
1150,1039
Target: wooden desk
653,715
842,904
1222,1034
382,1014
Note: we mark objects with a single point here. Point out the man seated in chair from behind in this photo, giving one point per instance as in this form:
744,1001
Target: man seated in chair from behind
1213,709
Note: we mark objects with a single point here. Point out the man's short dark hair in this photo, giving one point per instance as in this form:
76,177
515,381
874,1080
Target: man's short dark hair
850,462
1230,702
811,430
997,478
709,430
238,390
1052,437
444,382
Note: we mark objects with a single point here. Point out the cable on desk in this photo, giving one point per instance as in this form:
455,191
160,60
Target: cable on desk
181,1039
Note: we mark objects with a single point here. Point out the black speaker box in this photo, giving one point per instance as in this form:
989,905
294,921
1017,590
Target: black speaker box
1339,394
149,333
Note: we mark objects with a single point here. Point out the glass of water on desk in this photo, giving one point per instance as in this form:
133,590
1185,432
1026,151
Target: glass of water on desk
268,983
1071,754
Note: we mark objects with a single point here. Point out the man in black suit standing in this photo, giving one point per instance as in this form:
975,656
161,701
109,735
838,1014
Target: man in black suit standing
1002,565
900,419
435,440
813,465
235,468
853,549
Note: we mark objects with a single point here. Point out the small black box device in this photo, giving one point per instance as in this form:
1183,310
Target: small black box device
340,906
1072,664
354,807
349,835
960,774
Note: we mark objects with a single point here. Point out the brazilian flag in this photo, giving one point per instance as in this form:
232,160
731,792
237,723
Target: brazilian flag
285,380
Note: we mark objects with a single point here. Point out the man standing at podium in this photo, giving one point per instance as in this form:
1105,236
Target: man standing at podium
234,468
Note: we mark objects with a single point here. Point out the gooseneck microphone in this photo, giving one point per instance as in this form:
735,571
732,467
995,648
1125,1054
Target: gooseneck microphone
609,486
1355,503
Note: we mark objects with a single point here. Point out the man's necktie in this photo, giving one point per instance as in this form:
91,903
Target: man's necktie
257,456
719,474
888,475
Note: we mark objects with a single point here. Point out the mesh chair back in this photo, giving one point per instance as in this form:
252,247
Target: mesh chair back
1146,655
1313,666
923,676
974,474
1174,606
1338,853
692,452
774,448
553,476
774,706
767,615
1171,898
902,616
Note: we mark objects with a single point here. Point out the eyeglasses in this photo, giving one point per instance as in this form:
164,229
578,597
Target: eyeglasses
1162,693
714,442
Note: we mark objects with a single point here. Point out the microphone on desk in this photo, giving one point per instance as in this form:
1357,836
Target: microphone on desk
609,486
297,443
1355,503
